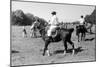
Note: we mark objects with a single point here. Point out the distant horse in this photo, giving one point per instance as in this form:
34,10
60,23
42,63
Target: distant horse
63,35
81,30
33,29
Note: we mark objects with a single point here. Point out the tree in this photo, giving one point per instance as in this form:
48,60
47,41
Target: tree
13,18
17,17
91,18
28,19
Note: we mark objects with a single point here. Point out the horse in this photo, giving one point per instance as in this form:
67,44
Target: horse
63,35
33,30
81,29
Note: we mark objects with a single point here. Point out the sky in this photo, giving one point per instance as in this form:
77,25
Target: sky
65,13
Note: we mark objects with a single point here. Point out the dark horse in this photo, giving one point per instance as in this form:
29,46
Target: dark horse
63,35
81,29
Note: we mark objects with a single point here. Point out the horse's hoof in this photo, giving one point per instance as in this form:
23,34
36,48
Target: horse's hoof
73,52
64,52
49,54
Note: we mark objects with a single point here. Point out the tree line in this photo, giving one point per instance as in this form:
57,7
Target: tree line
91,18
20,18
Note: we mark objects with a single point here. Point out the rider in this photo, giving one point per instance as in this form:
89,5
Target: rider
82,21
53,23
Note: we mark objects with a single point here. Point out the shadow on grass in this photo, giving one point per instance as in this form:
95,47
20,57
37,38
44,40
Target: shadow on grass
77,50
15,66
89,39
14,51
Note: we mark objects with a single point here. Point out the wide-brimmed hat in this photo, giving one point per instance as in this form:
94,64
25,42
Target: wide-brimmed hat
54,12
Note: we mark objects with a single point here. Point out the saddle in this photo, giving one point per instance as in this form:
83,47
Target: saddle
55,32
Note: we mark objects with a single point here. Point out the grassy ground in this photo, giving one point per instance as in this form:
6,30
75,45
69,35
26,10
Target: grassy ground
28,51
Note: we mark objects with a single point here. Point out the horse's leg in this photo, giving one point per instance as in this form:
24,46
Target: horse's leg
35,34
73,48
46,48
23,34
91,28
77,34
78,38
32,33
65,46
82,36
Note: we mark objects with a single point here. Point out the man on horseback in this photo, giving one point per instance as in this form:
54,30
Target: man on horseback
82,21
53,24
81,28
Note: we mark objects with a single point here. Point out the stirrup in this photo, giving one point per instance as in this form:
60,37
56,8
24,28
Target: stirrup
54,34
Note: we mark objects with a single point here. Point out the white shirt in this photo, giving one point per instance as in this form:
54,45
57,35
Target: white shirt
81,21
54,20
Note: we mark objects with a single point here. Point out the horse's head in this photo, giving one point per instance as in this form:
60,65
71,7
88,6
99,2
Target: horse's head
41,26
36,24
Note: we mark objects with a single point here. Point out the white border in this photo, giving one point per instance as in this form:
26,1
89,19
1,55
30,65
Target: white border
5,33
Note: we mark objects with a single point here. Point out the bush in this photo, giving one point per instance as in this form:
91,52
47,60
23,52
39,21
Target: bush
18,17
91,18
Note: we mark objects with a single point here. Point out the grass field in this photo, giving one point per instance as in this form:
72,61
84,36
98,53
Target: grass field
28,51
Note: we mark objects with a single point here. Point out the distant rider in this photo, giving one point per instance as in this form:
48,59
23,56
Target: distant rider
81,21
